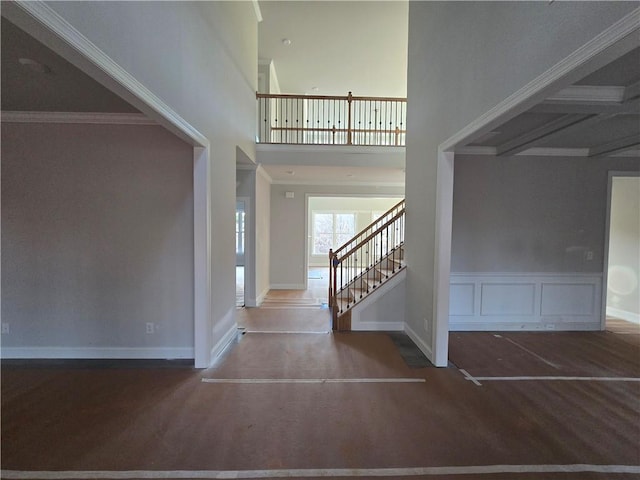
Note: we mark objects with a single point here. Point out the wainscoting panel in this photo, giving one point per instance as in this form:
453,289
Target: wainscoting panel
527,301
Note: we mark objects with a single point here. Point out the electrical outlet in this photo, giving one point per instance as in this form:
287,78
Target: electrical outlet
588,255
5,328
150,327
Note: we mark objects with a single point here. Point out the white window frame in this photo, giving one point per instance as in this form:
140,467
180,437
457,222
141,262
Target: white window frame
334,233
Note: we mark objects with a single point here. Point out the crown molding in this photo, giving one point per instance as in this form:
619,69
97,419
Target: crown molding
264,174
476,150
53,22
589,94
95,118
554,152
531,152
256,10
621,35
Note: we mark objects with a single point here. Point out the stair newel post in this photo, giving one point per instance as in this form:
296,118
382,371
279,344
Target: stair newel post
331,277
333,268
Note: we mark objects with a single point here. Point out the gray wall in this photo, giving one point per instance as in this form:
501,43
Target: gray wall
464,58
623,292
200,58
263,235
531,214
97,239
288,227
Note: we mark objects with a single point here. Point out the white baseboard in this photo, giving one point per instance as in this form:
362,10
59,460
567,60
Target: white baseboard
424,348
287,286
164,353
223,343
261,297
525,301
623,314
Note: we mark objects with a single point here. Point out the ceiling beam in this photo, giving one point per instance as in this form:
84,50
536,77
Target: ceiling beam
632,91
617,146
562,126
526,140
588,94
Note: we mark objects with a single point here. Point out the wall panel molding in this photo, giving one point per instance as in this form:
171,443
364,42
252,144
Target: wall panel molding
525,301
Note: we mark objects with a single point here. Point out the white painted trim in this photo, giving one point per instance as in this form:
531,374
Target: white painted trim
263,173
627,153
554,152
424,348
260,298
98,118
256,10
40,20
223,343
98,352
530,152
476,150
537,301
589,94
202,275
607,235
288,286
612,42
442,259
623,314
56,24
392,472
338,183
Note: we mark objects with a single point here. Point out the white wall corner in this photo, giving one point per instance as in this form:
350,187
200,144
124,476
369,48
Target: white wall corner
261,297
260,169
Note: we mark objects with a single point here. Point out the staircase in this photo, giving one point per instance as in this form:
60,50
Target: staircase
360,266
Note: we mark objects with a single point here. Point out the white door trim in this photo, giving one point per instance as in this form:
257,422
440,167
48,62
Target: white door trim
607,238
615,41
43,23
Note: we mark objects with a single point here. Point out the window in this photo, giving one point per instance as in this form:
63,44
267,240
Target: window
331,230
239,231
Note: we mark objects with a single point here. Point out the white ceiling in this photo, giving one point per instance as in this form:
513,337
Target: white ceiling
337,46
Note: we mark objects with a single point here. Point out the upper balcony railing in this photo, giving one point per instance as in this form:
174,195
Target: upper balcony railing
325,120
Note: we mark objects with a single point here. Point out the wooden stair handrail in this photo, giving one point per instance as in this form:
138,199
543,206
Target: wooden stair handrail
370,236
363,232
355,263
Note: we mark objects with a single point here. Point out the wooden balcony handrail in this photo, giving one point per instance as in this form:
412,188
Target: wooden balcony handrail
331,119
330,97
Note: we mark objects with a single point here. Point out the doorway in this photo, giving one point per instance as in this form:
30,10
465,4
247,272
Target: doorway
241,241
622,264
331,222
